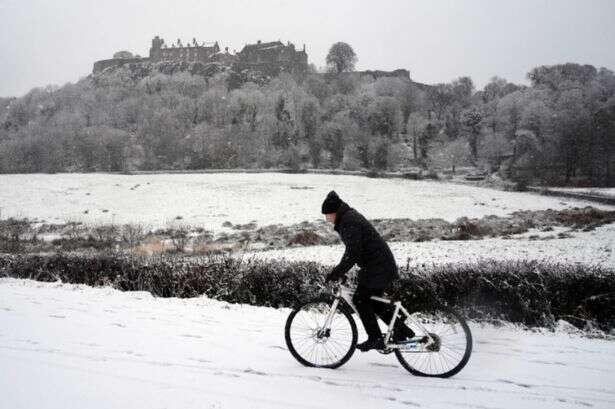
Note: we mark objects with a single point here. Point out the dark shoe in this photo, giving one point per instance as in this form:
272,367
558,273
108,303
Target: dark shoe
402,334
371,344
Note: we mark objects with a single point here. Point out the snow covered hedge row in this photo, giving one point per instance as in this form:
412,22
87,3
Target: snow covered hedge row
528,292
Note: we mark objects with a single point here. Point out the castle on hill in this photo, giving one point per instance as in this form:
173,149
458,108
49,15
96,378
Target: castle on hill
270,58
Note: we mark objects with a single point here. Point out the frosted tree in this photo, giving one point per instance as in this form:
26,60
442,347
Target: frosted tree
341,57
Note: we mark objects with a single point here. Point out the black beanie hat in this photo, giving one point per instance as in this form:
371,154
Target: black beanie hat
331,203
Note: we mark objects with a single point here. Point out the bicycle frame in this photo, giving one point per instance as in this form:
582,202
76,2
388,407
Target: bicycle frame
346,293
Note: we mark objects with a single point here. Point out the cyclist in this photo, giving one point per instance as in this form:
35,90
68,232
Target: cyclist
366,248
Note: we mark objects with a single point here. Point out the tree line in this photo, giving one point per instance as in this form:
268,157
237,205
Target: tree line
559,129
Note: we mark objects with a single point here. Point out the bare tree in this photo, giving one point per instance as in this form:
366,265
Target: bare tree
132,234
180,238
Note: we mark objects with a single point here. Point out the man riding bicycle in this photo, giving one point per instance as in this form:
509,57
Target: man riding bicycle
366,248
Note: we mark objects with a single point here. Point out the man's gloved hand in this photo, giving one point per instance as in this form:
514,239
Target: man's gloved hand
330,278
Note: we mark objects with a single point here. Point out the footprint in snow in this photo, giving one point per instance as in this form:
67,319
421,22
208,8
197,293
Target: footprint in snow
57,316
383,365
522,385
580,402
250,330
410,403
7,309
254,372
190,336
117,324
388,388
201,360
540,361
27,341
231,375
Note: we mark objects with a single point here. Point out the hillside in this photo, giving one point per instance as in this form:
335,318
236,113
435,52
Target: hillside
179,115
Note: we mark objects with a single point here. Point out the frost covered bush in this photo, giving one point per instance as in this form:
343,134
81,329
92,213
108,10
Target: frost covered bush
527,292
532,293
225,278
13,233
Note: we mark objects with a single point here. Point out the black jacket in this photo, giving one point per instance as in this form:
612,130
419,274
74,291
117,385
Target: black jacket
364,247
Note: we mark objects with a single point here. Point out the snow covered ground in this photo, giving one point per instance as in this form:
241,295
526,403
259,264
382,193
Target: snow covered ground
607,191
65,346
595,247
208,200
69,346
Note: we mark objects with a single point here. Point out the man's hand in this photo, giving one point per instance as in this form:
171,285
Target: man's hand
331,278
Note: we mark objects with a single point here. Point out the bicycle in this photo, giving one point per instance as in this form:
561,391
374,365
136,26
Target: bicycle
322,333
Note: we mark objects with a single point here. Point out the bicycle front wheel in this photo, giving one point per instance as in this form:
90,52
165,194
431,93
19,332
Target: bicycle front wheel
451,347
314,345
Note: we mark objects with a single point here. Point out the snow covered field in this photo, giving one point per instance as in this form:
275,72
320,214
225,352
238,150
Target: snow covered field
208,200
610,192
595,247
67,346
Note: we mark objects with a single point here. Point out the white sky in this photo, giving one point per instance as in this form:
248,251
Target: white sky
56,41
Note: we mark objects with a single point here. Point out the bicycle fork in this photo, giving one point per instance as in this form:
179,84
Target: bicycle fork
327,326
342,293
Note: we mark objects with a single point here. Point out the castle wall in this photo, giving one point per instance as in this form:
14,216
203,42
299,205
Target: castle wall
115,62
188,54
400,73
271,58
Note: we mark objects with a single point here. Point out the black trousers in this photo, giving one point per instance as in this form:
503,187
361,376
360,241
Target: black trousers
368,309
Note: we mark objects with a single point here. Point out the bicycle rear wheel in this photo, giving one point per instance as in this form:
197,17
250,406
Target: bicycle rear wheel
448,354
314,346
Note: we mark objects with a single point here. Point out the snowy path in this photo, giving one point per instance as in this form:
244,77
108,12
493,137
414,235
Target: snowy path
66,346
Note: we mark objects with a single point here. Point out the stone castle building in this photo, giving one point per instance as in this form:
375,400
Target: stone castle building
191,52
270,58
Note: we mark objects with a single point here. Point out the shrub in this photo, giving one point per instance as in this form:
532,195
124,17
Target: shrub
132,235
12,234
532,293
306,238
180,238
